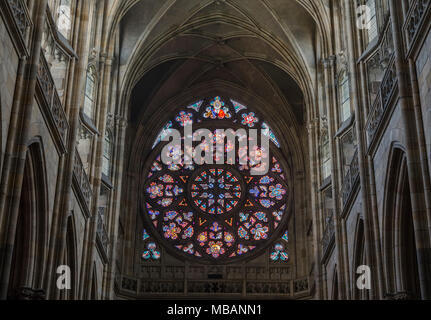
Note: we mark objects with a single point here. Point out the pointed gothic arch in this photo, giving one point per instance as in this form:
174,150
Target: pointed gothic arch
94,294
70,259
400,260
335,293
359,259
30,244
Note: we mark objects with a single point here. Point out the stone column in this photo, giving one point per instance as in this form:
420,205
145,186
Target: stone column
118,165
313,138
61,208
104,89
329,65
421,140
362,146
14,164
420,222
372,193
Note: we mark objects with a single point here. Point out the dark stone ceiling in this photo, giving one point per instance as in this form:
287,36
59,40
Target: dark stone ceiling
263,47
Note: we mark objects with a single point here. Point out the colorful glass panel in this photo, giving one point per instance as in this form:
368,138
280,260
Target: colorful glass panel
216,212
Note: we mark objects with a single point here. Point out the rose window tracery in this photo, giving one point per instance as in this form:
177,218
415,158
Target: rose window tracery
211,212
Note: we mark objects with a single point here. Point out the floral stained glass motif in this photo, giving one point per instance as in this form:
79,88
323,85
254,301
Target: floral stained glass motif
249,119
150,251
217,110
279,251
266,190
216,191
215,213
184,118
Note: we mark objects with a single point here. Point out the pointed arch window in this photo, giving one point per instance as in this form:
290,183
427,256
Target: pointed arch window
64,18
325,158
90,93
344,93
373,31
107,154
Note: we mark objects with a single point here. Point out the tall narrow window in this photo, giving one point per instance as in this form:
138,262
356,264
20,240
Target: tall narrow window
107,153
344,86
64,20
90,93
326,158
373,31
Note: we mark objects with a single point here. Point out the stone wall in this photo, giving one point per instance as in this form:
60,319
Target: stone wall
423,69
8,74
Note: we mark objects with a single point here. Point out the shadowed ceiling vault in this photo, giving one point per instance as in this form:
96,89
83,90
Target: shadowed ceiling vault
267,50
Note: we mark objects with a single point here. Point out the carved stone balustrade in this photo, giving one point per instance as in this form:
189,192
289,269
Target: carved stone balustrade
21,15
57,51
351,178
51,105
382,102
54,44
139,288
82,183
417,15
15,14
328,234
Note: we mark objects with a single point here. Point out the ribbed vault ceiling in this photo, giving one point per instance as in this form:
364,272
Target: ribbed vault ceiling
266,47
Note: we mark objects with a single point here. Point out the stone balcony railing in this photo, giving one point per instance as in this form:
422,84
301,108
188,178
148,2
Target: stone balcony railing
417,14
351,178
21,15
54,43
82,183
328,234
382,101
53,107
17,17
58,53
140,288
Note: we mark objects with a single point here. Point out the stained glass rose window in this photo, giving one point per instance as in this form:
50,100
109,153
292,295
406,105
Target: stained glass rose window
216,212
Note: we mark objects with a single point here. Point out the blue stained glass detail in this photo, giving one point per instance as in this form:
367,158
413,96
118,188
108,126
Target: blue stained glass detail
286,236
269,133
151,253
238,106
197,106
163,133
279,253
145,235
